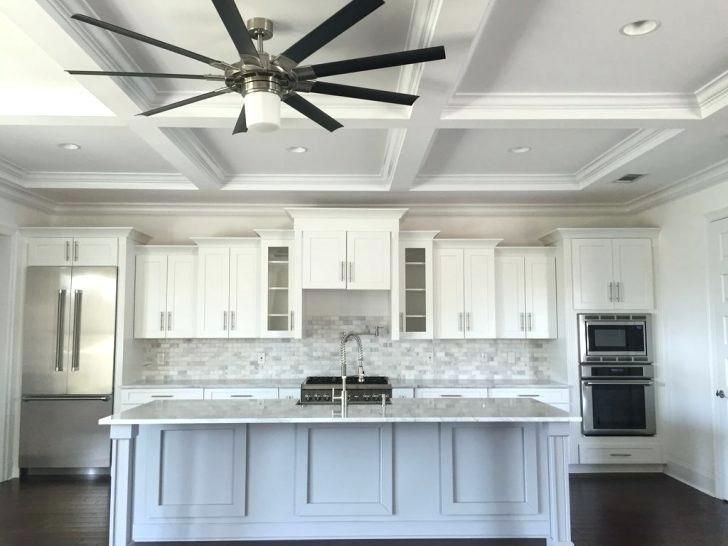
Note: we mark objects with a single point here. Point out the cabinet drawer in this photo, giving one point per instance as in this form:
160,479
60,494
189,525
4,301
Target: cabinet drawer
403,392
142,396
234,394
549,396
450,393
289,393
620,455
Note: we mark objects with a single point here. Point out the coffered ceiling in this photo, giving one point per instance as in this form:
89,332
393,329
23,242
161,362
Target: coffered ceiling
553,76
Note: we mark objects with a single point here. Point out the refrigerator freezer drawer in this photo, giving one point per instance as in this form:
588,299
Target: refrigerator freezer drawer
63,432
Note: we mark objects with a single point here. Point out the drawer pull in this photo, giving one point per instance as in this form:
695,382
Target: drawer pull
620,454
162,396
451,396
529,395
241,396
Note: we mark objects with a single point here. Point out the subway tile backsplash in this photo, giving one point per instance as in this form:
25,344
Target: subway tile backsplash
318,354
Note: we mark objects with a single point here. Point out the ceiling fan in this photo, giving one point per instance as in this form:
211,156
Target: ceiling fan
264,80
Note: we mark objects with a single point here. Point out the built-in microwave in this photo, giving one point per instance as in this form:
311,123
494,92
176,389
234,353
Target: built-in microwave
622,338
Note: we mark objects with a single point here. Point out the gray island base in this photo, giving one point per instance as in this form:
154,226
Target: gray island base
270,469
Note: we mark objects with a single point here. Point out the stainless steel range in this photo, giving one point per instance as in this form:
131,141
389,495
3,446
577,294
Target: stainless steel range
319,389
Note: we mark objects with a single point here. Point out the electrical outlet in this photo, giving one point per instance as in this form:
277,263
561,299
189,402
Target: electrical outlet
483,356
261,358
429,357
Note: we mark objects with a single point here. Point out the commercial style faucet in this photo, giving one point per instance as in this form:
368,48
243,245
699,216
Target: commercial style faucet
360,351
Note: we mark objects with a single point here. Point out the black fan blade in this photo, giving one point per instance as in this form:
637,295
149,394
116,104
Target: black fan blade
146,75
241,126
326,88
371,63
185,101
147,39
312,112
339,22
228,12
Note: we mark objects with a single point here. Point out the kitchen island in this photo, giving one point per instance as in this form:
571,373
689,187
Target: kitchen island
272,469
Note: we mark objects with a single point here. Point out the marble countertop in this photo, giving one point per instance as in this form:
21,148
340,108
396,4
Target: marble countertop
192,412
395,381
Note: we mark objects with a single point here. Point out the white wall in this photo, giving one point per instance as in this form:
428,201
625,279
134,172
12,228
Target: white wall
683,332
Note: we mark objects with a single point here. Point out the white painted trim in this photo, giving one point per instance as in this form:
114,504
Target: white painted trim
344,213
713,96
691,477
417,235
226,241
121,232
423,22
7,372
639,232
108,180
466,243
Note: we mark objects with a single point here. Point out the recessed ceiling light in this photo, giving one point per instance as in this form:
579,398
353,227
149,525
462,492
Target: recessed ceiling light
297,149
520,150
640,28
69,146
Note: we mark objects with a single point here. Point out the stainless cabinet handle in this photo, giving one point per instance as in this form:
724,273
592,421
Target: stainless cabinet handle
161,321
351,271
233,323
75,251
467,321
343,274
290,325
619,290
68,251
610,292
241,396
620,454
523,321
528,396
224,320
161,396
529,318
169,320
401,322
451,396
60,325
75,355
460,322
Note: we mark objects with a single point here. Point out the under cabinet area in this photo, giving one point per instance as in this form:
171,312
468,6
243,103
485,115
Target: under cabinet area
525,293
613,274
164,292
465,288
352,260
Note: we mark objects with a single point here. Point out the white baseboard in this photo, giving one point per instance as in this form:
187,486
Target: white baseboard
616,468
691,477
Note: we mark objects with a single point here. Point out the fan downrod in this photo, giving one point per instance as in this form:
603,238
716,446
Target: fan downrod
260,27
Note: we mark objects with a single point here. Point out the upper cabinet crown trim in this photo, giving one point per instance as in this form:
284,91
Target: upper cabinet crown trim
417,235
122,232
525,250
600,233
279,234
299,213
226,241
467,243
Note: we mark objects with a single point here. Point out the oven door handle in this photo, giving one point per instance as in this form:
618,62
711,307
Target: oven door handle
590,382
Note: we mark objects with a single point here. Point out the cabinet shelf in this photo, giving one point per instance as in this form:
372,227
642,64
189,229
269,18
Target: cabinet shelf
414,263
277,288
415,316
415,289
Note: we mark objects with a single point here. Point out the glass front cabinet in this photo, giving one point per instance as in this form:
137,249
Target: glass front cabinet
415,277
278,308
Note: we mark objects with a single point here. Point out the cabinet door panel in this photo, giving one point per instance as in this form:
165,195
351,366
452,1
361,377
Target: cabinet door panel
49,251
324,258
150,296
95,251
368,254
540,297
448,293
479,294
213,290
592,273
633,274
244,292
510,297
181,295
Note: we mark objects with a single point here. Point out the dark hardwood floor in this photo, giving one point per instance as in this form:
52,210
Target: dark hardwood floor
607,510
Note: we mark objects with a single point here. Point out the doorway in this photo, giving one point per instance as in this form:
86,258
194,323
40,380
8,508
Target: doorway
7,306
718,282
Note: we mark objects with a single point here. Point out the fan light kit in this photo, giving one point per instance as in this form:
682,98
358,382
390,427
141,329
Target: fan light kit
70,146
520,150
264,80
640,28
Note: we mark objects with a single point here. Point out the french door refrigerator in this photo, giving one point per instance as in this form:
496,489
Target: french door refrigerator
68,366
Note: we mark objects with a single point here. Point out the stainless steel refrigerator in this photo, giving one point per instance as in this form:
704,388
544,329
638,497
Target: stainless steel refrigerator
68,367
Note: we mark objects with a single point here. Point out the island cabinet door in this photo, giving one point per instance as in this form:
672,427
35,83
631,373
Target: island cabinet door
213,292
324,259
244,292
449,315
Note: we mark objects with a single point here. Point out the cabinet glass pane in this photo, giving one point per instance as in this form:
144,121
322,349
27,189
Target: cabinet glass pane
416,255
277,253
415,324
277,275
415,303
414,276
277,324
278,302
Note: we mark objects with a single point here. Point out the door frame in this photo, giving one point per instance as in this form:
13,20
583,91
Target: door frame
720,411
9,359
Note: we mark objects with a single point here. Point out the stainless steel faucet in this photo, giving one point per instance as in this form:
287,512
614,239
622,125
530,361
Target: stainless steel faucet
360,356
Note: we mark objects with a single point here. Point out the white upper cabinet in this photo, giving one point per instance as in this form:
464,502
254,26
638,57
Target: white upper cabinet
324,259
354,260
164,293
278,285
525,293
368,254
612,274
416,284
244,292
213,291
81,251
464,288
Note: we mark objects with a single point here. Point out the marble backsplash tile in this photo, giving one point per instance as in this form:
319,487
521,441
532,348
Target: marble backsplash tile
318,354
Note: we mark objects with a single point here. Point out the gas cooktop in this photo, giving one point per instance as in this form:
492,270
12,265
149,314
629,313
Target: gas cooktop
318,389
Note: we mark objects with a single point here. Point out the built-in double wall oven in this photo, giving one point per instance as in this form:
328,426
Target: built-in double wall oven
617,385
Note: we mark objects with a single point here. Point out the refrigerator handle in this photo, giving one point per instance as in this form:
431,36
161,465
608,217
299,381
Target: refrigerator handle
59,329
77,300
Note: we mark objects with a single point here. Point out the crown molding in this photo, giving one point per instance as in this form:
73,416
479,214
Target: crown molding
700,180
309,182
422,26
713,96
637,232
104,47
540,106
496,182
195,151
632,147
108,181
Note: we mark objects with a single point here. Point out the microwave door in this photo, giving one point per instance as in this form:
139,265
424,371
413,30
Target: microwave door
616,338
